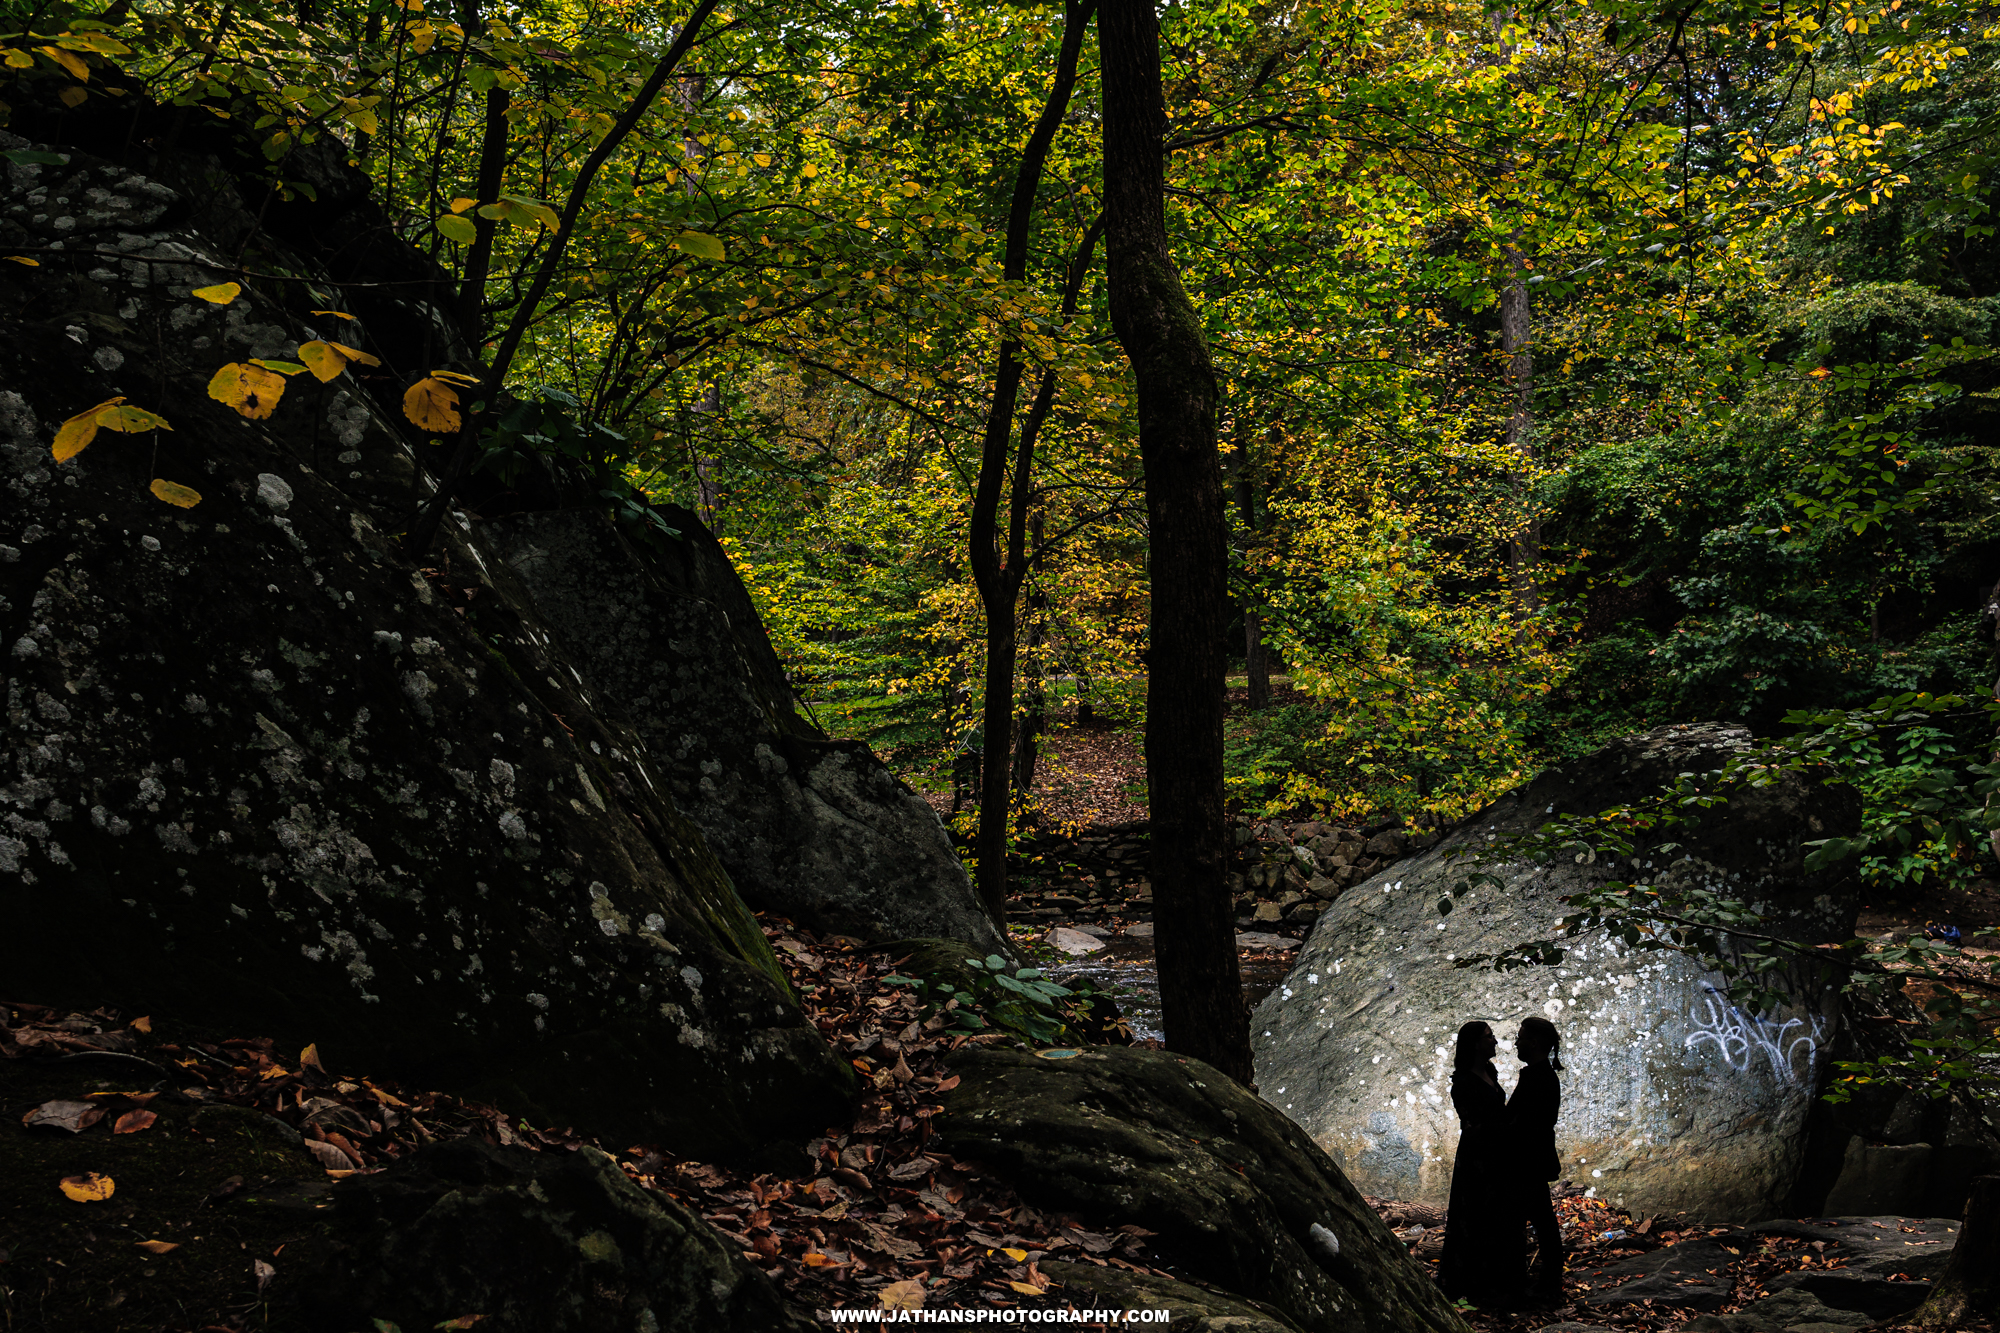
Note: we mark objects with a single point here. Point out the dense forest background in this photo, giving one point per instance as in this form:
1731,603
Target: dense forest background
1583,366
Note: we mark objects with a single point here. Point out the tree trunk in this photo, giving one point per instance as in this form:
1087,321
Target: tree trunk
999,579
1524,543
1034,697
1524,547
1256,662
1201,990
1970,1286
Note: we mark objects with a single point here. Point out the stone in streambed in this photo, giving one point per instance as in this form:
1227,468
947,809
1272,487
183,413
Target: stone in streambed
1673,1099
1072,941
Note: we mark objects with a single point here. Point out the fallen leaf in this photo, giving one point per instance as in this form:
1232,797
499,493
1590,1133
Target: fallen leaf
463,1321
327,360
23,259
143,1024
1016,1255
159,1246
181,497
72,1116
220,294
814,1259
905,1295
134,1121
309,1058
337,314
251,389
431,404
1025,1289
264,1272
330,1157
90,1187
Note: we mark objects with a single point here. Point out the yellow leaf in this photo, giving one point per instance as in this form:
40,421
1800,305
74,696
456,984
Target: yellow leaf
337,314
74,437
309,1059
159,1246
19,59
905,1295
814,1259
1016,1255
131,420
519,211
460,204
181,497
220,294
286,368
142,1024
809,171
455,228
89,1187
250,389
72,96
432,405
327,359
455,377
761,159
1025,1289
23,259
912,189
68,60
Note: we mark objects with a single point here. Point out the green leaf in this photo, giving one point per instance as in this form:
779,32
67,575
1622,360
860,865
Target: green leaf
699,244
455,228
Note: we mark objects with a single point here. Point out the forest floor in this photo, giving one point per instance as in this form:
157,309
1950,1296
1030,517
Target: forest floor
875,1215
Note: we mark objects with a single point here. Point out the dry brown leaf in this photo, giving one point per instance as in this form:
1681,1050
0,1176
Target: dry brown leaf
142,1024
134,1121
905,1295
72,1116
159,1246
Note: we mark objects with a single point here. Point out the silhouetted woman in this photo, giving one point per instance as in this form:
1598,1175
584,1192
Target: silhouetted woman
1483,1260
1531,1131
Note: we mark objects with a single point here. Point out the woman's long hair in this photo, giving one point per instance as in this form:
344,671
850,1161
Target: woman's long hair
1542,1035
1468,1055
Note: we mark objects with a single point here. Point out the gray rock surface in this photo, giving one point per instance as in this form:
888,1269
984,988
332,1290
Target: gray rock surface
1787,1312
534,1242
1885,1178
1238,1195
1673,1099
816,829
262,771
1189,1309
1694,1275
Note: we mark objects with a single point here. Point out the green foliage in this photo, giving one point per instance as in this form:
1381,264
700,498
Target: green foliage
1014,999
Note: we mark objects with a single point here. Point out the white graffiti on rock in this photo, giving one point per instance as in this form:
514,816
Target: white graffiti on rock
1740,1038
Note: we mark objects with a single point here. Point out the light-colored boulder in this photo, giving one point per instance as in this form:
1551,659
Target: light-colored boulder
1673,1098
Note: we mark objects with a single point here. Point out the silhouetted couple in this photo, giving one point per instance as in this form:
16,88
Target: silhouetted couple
1506,1157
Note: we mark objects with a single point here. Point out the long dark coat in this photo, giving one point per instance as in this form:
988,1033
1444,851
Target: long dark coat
1485,1256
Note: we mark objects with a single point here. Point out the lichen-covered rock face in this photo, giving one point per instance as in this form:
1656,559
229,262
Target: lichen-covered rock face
262,769
1237,1194
1672,1098
819,830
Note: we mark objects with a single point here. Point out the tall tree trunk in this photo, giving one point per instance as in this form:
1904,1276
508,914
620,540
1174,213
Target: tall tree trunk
1256,662
1524,546
1524,542
1034,697
1201,990
999,575
1969,1287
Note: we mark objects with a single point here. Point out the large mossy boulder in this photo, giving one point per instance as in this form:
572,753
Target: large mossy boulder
1673,1099
817,829
263,768
1238,1195
559,1242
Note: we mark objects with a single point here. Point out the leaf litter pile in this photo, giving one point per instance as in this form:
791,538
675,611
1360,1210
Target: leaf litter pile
875,1216
1596,1234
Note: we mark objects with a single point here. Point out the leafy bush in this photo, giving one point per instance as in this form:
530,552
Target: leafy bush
1014,999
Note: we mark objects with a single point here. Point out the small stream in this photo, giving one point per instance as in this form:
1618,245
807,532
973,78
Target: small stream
1125,968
